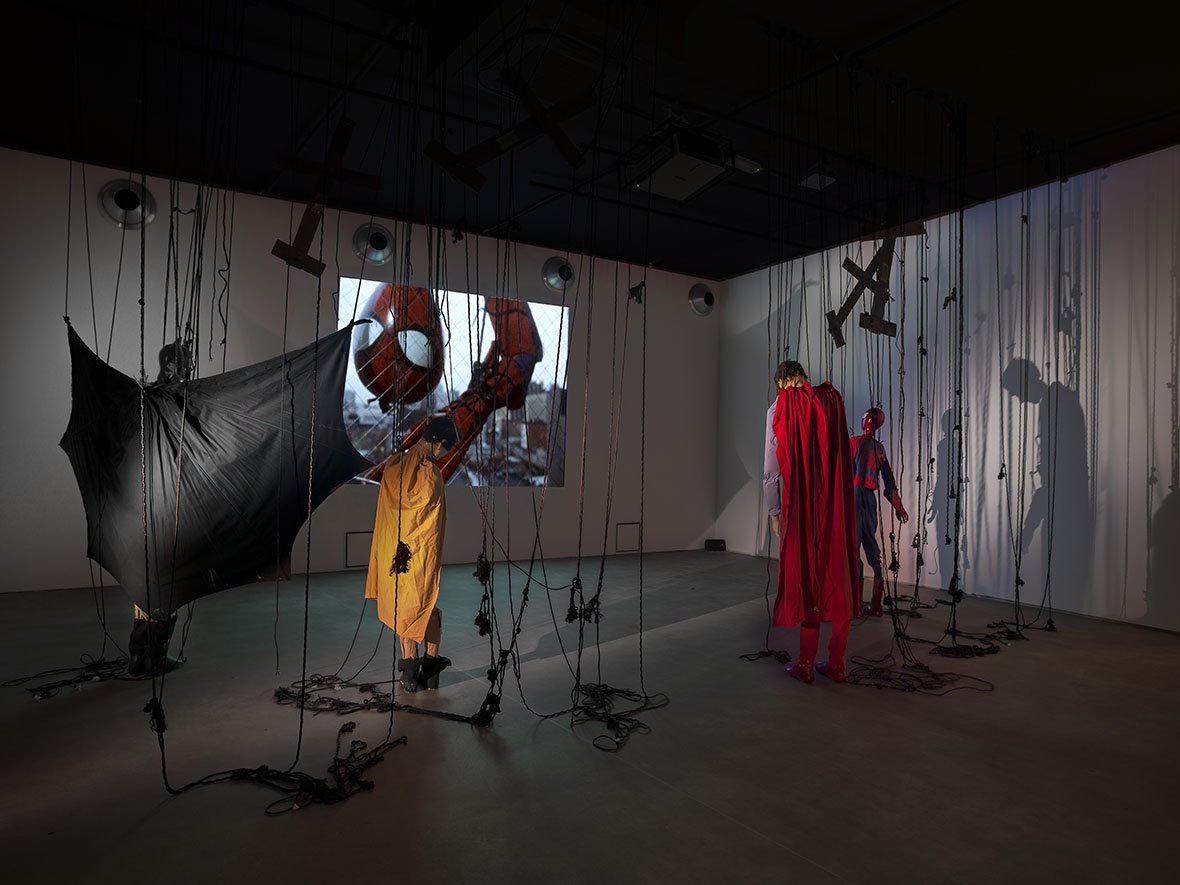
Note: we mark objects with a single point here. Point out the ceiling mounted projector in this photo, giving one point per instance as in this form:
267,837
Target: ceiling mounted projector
677,163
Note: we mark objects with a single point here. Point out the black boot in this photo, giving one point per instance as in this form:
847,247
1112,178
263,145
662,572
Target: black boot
160,634
428,672
137,648
410,680
147,649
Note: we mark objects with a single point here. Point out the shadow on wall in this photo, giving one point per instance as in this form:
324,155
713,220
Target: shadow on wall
741,447
942,507
1163,588
1060,509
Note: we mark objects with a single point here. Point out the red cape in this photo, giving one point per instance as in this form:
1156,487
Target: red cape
817,546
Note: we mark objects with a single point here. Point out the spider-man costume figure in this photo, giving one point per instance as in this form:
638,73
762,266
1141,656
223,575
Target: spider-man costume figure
869,462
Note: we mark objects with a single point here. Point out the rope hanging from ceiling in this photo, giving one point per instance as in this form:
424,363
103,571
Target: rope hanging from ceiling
590,701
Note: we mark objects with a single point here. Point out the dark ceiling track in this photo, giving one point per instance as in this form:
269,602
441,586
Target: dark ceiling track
1124,127
679,216
838,59
733,183
886,176
857,163
335,96
304,12
232,58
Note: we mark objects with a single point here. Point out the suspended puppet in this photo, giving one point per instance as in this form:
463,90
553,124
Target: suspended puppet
808,453
405,559
399,358
226,466
870,467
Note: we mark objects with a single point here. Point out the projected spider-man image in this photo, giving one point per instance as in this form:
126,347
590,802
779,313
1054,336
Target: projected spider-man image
399,354
496,366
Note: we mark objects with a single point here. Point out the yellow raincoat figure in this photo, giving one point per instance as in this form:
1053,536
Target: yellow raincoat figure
405,560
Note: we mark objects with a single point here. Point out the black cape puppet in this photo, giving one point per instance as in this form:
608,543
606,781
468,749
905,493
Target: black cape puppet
225,467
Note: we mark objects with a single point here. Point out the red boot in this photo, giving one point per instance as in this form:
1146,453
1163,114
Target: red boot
803,669
833,668
836,675
875,610
802,672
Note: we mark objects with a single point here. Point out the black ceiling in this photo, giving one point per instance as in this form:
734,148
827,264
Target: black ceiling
912,108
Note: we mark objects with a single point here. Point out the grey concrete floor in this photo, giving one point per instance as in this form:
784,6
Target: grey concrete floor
1067,772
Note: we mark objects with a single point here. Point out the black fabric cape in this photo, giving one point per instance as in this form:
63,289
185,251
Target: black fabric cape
225,467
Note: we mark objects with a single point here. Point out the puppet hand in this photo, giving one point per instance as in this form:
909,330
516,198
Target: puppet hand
774,523
895,500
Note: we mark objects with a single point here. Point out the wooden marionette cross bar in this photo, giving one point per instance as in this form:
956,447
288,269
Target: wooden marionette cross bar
541,115
874,277
296,254
464,167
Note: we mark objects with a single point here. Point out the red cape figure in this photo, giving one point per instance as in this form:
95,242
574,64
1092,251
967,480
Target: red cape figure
817,542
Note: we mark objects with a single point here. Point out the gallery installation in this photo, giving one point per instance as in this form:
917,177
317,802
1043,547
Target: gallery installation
646,425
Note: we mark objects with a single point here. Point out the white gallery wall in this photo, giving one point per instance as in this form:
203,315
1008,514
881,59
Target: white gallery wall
1069,352
44,231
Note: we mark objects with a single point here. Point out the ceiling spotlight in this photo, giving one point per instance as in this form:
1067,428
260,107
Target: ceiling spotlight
373,243
701,300
557,273
126,204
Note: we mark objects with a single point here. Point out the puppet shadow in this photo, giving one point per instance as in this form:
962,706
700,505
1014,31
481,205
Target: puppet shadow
1060,509
942,508
1163,587
1163,592
745,370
